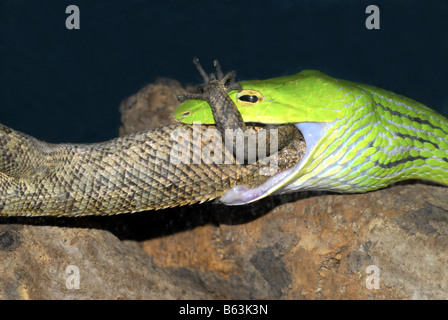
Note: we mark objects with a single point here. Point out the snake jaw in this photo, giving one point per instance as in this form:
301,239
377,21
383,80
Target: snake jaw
312,133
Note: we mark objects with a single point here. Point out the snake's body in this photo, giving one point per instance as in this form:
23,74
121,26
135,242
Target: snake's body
128,174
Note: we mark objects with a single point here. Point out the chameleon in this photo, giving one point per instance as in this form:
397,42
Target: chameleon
149,170
358,137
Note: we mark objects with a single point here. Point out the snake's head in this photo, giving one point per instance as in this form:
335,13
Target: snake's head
309,96
310,99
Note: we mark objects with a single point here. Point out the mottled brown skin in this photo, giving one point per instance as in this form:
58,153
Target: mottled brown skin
133,173
215,90
129,174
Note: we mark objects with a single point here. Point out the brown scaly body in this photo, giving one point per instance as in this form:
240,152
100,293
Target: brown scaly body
127,174
150,170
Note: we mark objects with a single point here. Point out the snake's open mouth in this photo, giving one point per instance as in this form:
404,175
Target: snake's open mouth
285,180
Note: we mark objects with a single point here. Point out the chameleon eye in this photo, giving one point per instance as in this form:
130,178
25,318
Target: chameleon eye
249,97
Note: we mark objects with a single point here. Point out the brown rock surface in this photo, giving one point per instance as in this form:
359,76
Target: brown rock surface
319,247
299,246
150,107
34,262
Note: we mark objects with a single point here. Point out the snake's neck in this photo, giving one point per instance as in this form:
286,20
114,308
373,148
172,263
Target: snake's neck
365,152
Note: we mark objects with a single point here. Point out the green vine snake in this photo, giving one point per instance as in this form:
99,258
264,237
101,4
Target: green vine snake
358,137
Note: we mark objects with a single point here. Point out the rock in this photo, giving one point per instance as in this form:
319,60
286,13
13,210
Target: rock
150,107
319,247
45,262
299,246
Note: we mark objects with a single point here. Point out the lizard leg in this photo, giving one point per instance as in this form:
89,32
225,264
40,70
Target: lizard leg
234,132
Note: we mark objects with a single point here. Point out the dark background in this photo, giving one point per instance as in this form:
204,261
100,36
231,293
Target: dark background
66,85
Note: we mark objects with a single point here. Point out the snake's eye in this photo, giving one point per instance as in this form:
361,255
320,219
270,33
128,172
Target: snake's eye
249,97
